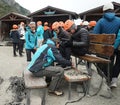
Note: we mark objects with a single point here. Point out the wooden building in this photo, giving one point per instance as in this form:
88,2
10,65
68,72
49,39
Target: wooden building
97,13
51,14
8,20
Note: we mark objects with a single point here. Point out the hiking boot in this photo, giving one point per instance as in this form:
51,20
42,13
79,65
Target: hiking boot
57,93
15,55
21,55
114,83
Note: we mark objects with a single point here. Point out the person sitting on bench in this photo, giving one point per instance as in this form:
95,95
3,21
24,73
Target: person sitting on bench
41,65
79,41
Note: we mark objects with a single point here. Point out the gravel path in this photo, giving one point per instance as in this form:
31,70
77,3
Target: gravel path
13,66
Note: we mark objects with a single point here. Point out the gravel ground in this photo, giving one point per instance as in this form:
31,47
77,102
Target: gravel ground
13,66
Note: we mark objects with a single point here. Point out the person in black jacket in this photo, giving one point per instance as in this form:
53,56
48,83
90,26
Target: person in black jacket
79,40
64,36
14,34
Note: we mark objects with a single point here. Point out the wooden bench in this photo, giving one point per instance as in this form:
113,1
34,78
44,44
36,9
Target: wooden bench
76,76
100,45
32,82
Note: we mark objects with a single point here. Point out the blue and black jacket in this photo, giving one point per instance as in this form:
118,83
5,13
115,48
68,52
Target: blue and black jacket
30,39
45,56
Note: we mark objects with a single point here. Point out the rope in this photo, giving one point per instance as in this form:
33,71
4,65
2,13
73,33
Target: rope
76,100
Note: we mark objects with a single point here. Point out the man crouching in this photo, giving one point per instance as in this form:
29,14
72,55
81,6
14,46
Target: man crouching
41,65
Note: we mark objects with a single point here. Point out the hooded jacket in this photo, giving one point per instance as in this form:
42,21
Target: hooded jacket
14,34
108,24
31,40
45,56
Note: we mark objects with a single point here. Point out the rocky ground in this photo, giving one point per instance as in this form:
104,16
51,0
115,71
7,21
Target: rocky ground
11,67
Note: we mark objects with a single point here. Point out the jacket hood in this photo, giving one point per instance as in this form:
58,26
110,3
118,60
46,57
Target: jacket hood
109,16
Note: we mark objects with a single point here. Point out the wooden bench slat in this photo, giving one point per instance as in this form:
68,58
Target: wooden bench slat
94,59
101,49
32,81
102,38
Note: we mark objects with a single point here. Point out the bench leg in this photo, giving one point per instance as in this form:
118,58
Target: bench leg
85,88
28,97
69,91
87,83
108,74
76,62
44,96
88,67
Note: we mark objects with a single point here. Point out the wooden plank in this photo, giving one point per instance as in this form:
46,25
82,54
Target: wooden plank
102,38
32,81
94,59
101,49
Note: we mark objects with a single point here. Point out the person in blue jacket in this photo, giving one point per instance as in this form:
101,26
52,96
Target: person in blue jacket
30,40
40,32
41,65
116,67
108,24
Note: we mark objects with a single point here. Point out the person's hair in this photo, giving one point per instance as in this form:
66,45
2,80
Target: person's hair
32,23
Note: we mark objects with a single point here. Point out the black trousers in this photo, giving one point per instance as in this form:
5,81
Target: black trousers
16,47
104,67
116,68
65,52
28,54
22,44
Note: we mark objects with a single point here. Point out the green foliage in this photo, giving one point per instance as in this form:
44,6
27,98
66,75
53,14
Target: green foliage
6,8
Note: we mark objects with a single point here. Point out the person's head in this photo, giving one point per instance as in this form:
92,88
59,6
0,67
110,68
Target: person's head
61,23
55,27
91,24
15,26
39,23
45,23
109,7
32,26
22,23
70,26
